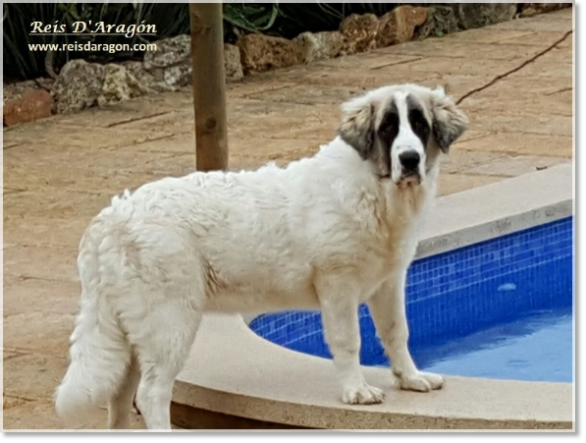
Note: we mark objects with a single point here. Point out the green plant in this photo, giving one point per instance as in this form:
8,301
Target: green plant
290,19
251,17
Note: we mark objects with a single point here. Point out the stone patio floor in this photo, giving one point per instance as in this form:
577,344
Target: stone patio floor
59,172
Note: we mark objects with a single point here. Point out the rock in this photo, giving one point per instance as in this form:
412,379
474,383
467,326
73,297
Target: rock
261,53
146,78
81,85
319,46
119,85
13,91
398,26
232,63
28,107
180,75
170,67
476,15
171,51
359,32
441,20
45,83
78,86
531,9
171,62
159,75
166,69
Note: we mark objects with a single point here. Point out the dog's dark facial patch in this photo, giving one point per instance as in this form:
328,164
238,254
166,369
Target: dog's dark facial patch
418,122
389,127
386,134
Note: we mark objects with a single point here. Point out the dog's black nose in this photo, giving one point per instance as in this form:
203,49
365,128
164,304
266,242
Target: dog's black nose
409,160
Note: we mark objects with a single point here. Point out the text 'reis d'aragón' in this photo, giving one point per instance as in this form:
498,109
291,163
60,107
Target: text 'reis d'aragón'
89,27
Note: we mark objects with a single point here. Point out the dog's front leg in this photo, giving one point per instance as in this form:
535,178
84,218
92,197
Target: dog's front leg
388,310
339,307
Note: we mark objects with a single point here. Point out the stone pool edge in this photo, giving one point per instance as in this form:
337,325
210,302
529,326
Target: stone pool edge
225,375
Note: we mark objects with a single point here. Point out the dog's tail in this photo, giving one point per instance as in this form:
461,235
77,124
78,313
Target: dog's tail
99,359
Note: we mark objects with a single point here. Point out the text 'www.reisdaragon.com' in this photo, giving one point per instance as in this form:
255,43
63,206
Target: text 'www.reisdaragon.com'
110,48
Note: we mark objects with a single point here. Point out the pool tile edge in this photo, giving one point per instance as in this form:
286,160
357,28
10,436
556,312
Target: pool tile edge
498,209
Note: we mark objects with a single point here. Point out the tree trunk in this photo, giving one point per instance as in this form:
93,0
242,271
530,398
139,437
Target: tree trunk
209,97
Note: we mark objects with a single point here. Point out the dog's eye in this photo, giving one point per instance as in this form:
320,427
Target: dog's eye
389,124
418,122
387,128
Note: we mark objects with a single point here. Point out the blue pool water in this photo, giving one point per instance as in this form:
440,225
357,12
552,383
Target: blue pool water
499,309
535,348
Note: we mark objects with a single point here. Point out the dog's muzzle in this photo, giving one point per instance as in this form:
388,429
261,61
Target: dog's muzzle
410,174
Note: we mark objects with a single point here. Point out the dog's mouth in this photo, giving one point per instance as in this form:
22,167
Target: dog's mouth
409,180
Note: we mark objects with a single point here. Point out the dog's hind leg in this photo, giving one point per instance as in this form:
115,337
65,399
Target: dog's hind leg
161,352
339,306
122,403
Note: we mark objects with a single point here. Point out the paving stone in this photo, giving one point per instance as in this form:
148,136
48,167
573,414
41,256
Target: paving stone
48,140
10,402
443,66
487,35
43,262
452,183
59,179
513,122
35,375
23,296
40,415
539,39
542,145
438,47
521,105
366,60
510,166
463,161
560,21
38,332
309,94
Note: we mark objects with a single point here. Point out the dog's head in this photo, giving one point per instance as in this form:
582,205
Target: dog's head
402,129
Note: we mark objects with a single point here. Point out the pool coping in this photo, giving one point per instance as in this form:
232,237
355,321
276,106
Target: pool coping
224,373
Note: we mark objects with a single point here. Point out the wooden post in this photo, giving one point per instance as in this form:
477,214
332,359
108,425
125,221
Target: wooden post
209,96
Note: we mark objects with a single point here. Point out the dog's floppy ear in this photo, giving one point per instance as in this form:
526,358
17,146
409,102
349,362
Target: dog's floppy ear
357,128
449,123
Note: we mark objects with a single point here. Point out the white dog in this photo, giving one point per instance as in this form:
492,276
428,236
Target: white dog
329,232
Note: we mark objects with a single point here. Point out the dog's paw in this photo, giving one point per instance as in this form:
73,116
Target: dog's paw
421,382
363,395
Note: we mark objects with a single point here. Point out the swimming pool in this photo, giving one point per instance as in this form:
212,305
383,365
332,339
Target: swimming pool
498,309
